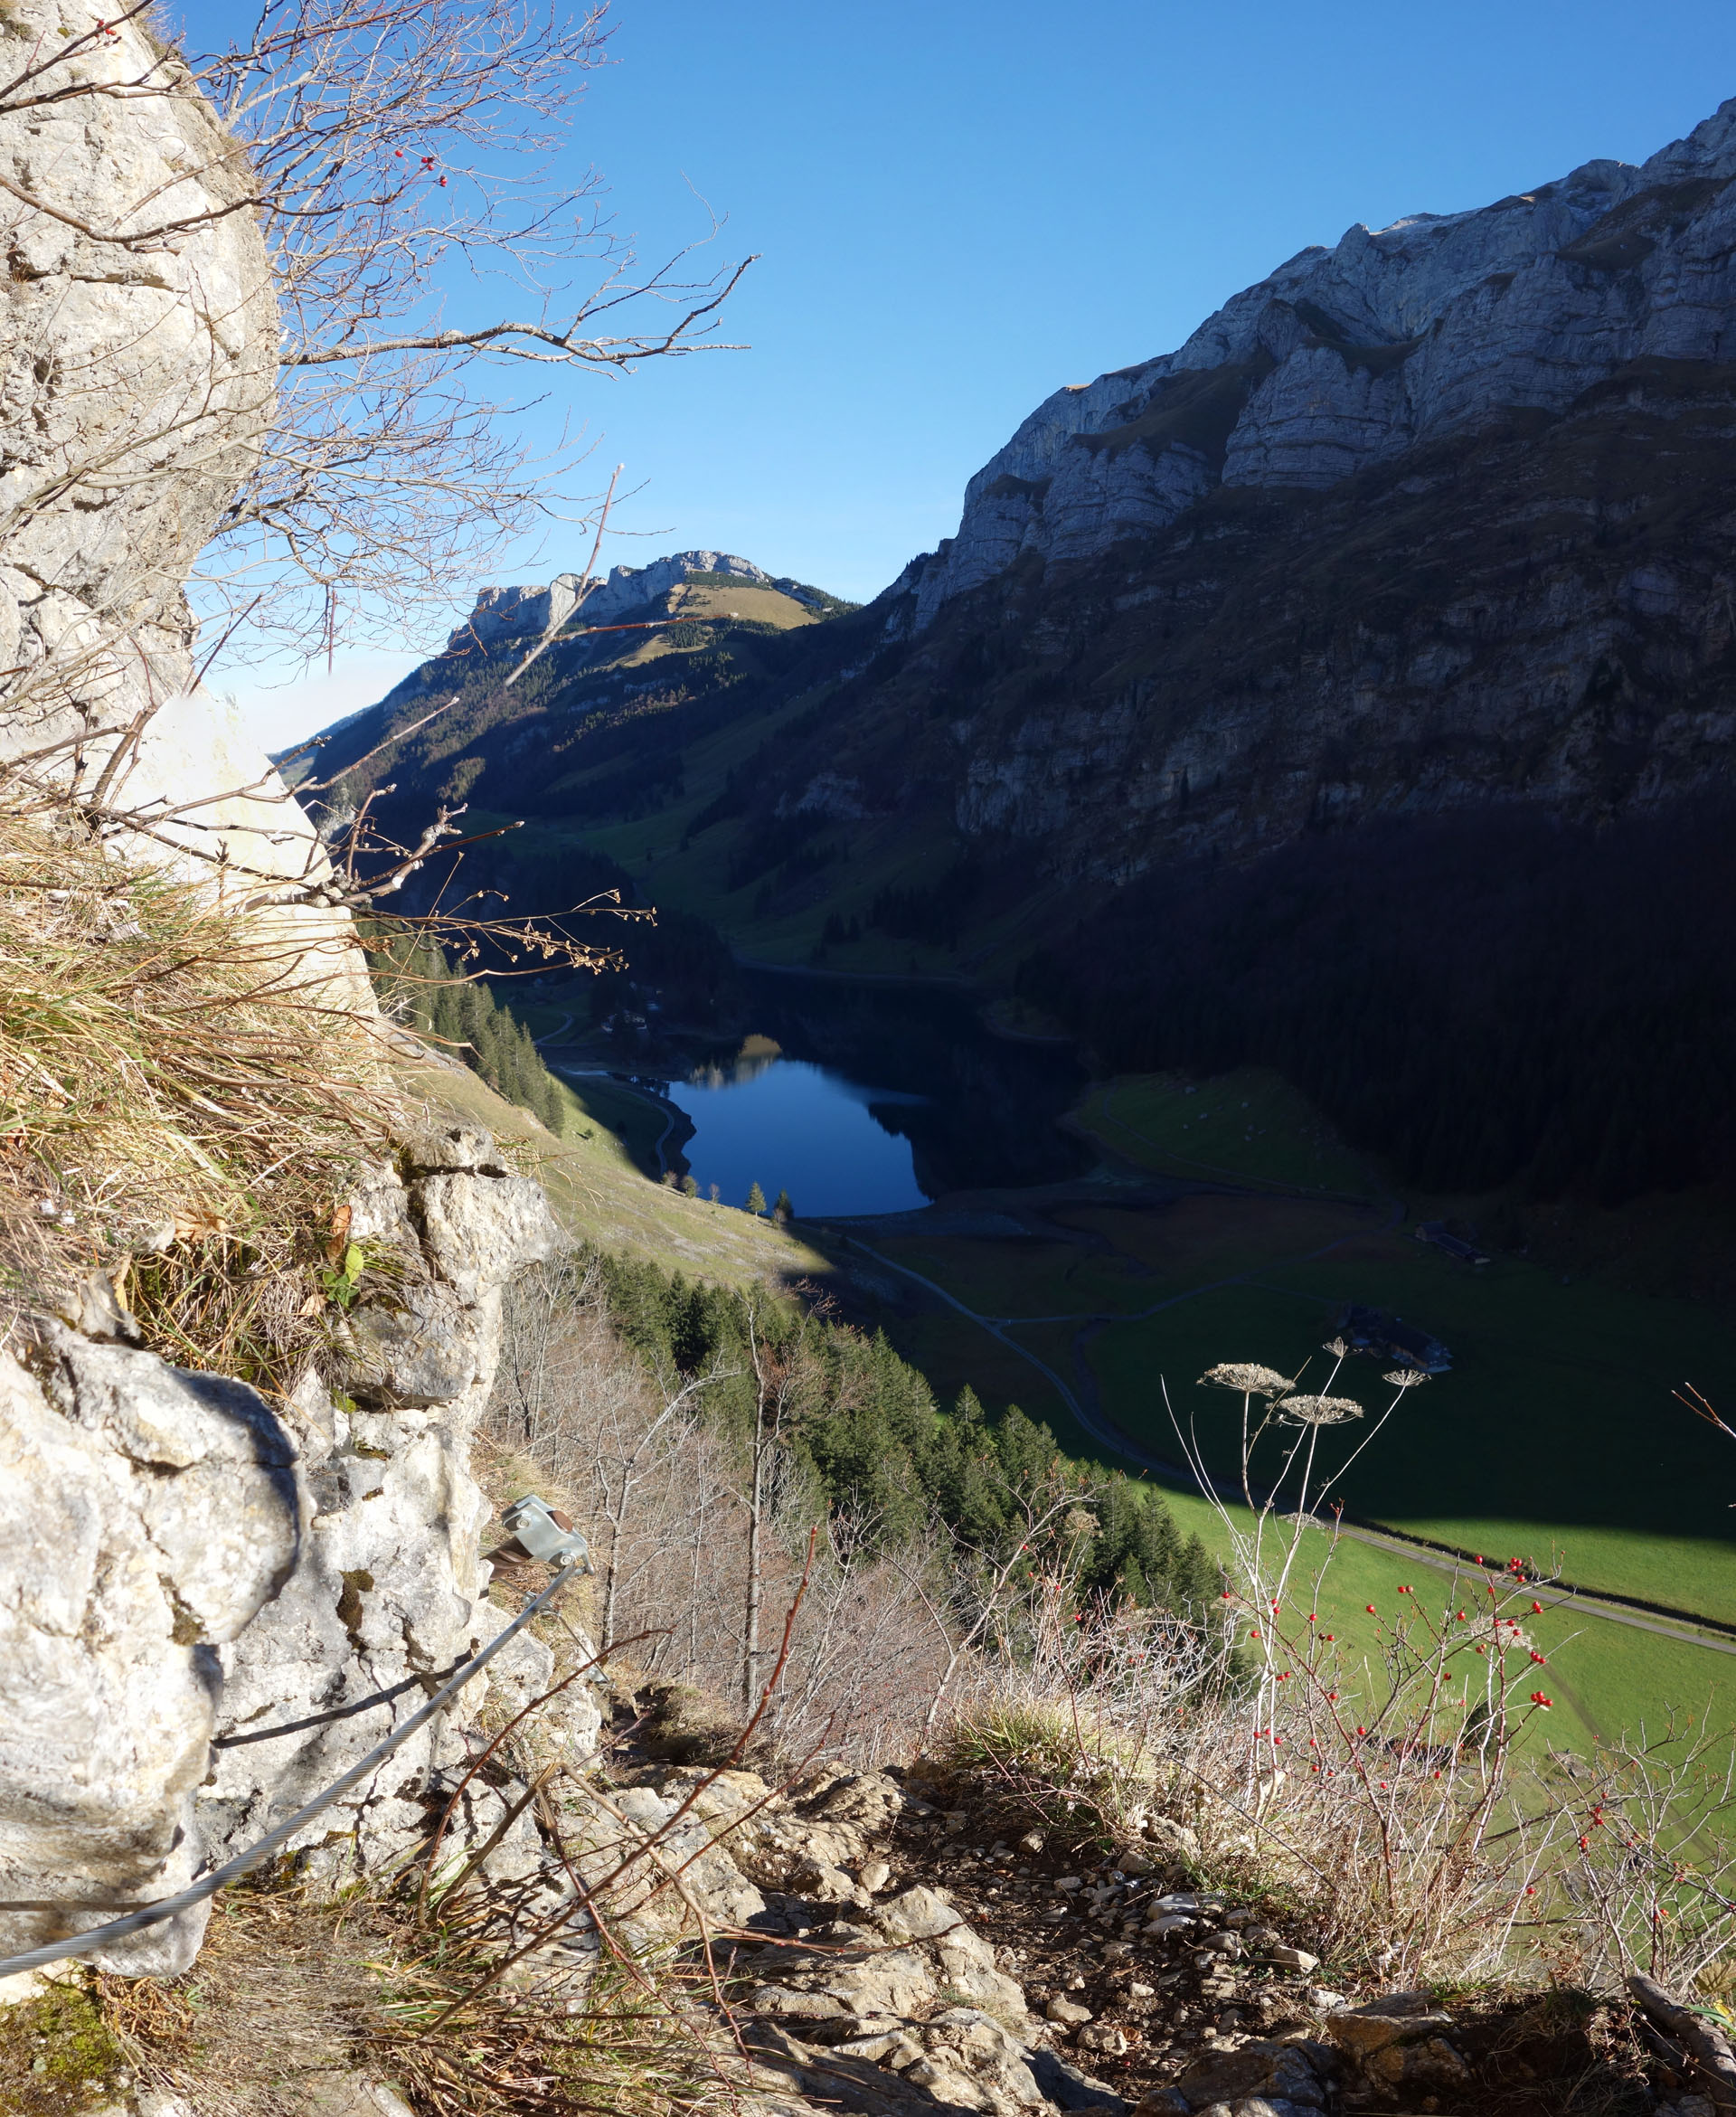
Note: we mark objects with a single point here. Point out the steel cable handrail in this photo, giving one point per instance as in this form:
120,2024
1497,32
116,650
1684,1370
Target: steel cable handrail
99,1937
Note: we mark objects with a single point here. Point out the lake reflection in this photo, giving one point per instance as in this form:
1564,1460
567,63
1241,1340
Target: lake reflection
786,1124
859,1098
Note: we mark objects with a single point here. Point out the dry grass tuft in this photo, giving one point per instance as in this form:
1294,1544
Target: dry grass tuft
182,1093
292,1992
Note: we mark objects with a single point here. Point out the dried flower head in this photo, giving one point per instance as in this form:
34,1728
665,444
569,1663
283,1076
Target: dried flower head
1336,1348
1405,1377
1319,1411
1248,1378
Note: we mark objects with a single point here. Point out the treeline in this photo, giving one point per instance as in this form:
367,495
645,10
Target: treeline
416,984
934,913
1486,1000
865,1426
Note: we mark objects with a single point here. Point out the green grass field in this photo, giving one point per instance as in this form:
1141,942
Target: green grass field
1250,1124
1555,1437
1604,1678
1555,1434
636,1121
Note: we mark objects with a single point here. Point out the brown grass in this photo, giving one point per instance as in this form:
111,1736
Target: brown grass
292,1991
184,1090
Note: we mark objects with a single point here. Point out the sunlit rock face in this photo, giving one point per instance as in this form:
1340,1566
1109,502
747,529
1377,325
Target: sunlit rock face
139,351
391,1589
1348,357
139,341
147,1515
505,613
179,1557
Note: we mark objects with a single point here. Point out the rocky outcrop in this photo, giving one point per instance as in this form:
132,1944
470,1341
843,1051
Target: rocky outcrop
1349,356
179,1563
139,369
138,381
147,1515
508,613
392,1590
1535,610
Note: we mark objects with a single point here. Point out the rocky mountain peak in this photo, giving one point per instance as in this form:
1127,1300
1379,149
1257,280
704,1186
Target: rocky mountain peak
1349,355
505,613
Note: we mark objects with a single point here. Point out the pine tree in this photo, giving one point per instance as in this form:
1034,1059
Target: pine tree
782,1210
756,1199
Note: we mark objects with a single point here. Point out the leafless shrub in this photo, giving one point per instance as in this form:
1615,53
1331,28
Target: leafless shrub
1403,1805
398,154
670,1500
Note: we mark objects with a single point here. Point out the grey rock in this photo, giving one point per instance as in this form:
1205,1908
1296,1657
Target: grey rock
1066,2010
1069,2089
1175,1837
1279,2070
422,1347
390,1590
1255,2106
1104,2038
918,1913
1347,355
1395,2018
168,1501
788,2004
448,1145
348,2094
1427,2065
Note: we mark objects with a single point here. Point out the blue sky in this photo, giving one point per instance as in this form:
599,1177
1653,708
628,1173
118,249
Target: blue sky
961,206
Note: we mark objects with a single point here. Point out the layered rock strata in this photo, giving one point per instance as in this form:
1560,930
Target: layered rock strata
1347,357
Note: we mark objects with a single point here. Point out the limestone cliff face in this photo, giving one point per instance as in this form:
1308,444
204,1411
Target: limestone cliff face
391,1587
505,613
145,1515
1434,520
149,1516
181,1561
1349,356
139,368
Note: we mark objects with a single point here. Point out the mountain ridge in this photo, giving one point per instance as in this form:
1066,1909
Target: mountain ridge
1435,579
1347,355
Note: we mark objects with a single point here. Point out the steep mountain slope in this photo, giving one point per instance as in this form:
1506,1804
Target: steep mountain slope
693,625
1349,356
1433,518
1428,528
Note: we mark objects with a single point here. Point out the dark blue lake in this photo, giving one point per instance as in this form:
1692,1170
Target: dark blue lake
858,1098
787,1124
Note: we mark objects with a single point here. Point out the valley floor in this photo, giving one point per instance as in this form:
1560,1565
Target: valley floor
1225,1223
